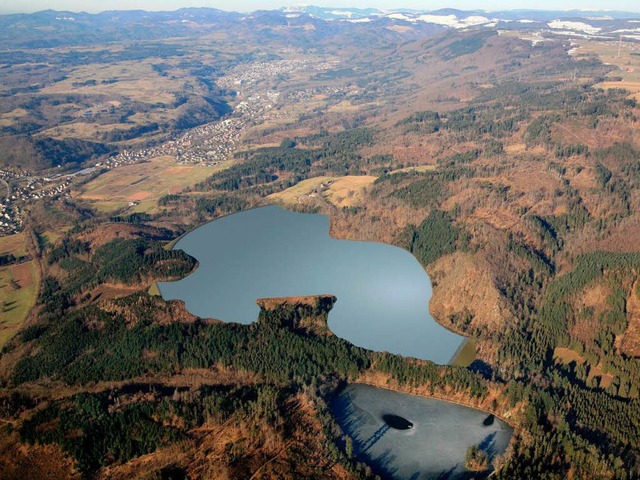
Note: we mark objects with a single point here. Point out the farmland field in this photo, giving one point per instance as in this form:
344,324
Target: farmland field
18,287
143,184
628,63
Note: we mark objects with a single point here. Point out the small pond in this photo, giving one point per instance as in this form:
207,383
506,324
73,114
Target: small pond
407,437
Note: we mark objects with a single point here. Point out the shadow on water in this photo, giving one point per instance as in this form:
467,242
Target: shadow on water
448,474
350,418
383,463
488,445
375,438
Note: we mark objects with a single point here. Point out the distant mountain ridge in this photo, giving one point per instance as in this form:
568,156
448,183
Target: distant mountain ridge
330,13
50,28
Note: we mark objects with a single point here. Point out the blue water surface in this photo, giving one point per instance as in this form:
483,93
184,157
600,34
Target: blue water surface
382,291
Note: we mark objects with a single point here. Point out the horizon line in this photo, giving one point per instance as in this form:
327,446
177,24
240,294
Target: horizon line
384,10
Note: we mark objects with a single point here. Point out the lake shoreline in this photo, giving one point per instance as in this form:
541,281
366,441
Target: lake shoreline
434,396
383,291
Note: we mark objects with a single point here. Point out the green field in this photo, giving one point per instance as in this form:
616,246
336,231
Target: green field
18,286
18,290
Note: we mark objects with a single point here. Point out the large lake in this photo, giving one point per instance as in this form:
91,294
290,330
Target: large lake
407,437
382,291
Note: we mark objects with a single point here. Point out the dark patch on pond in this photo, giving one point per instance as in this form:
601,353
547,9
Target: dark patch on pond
397,422
487,422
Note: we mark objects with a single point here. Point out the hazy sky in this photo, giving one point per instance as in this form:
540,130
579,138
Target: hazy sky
248,5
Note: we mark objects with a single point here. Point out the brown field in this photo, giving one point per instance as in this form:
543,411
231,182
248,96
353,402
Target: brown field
500,219
515,148
136,80
630,341
87,131
632,86
15,244
338,191
11,118
345,106
566,356
301,189
348,191
143,183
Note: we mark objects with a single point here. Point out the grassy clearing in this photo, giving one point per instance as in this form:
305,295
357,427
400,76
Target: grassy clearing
11,118
18,290
419,168
87,131
465,355
516,148
52,235
339,191
348,191
154,290
136,80
143,184
15,244
344,106
18,286
566,356
301,189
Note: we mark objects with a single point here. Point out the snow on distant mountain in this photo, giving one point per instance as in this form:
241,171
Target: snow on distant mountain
455,22
330,13
579,26
50,28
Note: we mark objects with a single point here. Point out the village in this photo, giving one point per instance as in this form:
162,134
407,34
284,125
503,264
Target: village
18,188
208,144
215,142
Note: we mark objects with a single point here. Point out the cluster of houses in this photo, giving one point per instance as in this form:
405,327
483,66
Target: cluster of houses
18,188
245,75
